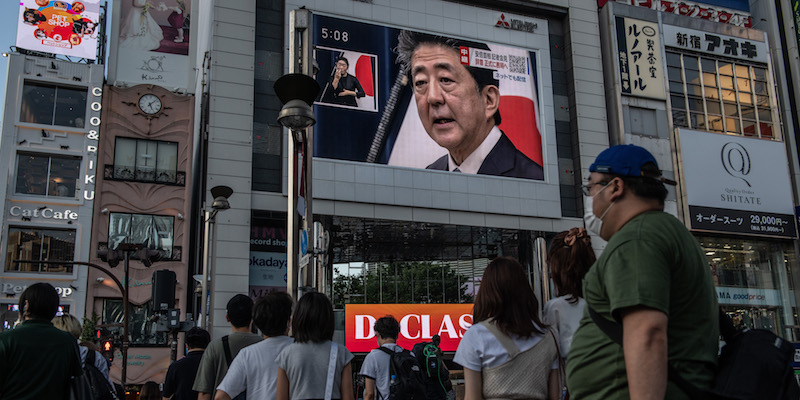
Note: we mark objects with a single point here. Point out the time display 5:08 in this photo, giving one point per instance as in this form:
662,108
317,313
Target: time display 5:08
335,34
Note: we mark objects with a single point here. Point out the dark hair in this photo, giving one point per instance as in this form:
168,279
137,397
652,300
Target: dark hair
387,327
506,296
272,312
569,258
150,391
649,185
42,301
313,319
197,338
343,59
409,41
240,310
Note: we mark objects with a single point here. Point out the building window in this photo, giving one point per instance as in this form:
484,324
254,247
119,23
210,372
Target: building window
40,245
720,96
145,160
141,326
48,104
154,231
47,175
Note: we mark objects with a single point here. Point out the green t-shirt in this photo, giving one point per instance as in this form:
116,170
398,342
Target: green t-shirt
36,362
214,366
652,261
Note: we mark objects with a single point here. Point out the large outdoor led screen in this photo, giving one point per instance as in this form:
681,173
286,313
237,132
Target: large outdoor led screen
60,27
369,110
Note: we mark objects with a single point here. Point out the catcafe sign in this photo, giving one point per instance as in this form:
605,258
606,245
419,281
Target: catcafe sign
46,213
418,323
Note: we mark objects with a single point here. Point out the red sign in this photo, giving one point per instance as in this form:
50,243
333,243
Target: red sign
418,323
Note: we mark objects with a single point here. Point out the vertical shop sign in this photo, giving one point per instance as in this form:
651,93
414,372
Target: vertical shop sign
640,62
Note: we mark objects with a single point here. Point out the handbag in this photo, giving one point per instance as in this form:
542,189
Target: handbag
524,375
562,370
79,387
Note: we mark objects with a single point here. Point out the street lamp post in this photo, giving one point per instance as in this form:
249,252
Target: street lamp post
297,92
220,203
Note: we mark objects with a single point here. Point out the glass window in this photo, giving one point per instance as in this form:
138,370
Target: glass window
145,160
726,82
743,85
674,74
154,231
47,104
674,60
47,175
709,79
708,65
732,125
678,102
713,107
715,123
716,91
40,245
141,325
698,120
696,104
679,118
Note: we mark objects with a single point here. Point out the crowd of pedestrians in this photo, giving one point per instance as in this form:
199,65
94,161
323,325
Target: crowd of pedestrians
651,280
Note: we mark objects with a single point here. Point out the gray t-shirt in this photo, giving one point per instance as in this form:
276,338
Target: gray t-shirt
213,365
306,365
376,366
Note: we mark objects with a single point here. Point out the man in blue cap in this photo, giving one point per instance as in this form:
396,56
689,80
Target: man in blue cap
652,280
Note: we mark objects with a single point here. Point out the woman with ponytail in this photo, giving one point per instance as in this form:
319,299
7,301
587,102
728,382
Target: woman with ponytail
569,258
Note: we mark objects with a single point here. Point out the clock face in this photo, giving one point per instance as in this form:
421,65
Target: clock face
150,104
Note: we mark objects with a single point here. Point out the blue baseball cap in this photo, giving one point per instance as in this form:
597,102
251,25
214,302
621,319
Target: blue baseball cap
624,160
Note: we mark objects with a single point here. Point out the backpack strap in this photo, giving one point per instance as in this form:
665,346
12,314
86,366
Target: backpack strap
89,354
504,340
331,371
227,347
614,331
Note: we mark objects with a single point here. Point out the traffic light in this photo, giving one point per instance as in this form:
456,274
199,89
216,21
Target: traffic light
148,256
110,256
107,348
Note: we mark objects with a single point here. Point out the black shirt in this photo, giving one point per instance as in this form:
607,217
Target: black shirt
180,376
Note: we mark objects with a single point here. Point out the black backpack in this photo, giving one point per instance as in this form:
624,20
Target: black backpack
101,389
754,364
437,377
408,382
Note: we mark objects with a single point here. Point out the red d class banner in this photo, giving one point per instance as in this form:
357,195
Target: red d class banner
418,323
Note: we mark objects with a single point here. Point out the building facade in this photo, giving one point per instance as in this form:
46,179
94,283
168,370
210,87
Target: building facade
714,88
386,212
50,138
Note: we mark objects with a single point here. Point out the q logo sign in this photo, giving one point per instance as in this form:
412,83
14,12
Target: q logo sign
736,161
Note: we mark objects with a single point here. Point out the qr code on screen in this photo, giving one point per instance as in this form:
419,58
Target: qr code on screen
517,65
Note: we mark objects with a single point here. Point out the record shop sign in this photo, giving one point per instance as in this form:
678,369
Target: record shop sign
737,184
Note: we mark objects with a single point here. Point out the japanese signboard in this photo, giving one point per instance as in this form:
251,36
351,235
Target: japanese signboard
368,111
737,184
59,27
711,43
418,323
734,12
640,62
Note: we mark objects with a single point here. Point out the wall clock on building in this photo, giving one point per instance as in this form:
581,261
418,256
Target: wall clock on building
150,104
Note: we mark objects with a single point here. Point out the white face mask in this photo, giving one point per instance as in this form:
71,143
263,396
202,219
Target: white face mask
593,223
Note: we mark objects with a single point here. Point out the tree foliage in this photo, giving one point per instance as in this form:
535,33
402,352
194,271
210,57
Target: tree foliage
410,282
